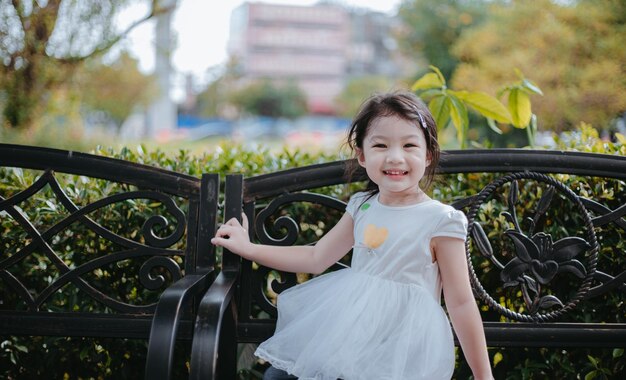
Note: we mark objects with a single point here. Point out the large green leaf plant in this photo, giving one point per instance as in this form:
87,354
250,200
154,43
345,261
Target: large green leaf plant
519,105
451,106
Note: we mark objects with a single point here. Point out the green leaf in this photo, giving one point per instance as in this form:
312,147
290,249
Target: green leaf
503,91
428,81
84,353
430,93
519,107
458,112
21,348
591,375
531,87
485,104
440,108
439,74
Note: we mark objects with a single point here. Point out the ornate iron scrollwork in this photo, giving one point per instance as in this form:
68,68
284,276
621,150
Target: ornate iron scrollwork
605,216
155,248
286,226
538,259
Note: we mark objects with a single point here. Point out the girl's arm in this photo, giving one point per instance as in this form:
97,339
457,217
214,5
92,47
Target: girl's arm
460,303
298,259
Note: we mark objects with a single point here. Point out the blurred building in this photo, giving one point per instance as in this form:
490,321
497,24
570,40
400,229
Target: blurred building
372,49
319,47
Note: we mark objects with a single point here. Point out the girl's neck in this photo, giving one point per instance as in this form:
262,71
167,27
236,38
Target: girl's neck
392,199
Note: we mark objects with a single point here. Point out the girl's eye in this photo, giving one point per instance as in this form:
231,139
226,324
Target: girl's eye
379,145
409,145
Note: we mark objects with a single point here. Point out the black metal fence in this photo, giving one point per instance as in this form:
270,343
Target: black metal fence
544,248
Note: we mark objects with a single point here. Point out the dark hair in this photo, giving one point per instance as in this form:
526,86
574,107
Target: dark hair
402,104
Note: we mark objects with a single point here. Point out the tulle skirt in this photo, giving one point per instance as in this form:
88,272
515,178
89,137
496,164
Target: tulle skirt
352,325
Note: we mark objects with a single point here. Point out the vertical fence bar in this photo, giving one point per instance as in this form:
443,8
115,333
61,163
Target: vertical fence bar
233,207
209,198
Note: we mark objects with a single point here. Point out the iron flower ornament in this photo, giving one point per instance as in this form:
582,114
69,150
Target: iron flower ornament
537,258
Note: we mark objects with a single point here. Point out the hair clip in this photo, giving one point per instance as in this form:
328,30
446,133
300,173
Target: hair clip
422,120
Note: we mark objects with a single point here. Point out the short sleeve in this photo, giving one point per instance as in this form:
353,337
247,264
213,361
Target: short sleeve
452,224
355,202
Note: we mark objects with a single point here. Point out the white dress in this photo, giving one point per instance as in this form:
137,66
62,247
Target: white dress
380,319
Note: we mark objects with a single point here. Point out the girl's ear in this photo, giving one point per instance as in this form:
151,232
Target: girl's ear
360,156
428,159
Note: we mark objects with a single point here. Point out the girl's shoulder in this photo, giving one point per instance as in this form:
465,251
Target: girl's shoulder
357,200
441,208
360,196
449,221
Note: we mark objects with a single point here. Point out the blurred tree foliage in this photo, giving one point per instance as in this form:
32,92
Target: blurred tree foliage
213,101
265,98
431,27
42,44
357,90
115,88
574,51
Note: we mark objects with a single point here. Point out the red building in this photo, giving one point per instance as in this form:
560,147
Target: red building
307,44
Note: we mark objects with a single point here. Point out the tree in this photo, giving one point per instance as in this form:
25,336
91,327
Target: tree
267,99
42,44
359,89
574,53
214,101
116,88
431,27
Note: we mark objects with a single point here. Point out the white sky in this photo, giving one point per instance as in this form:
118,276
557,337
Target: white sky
201,30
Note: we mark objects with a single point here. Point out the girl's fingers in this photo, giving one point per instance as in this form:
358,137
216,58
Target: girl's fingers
233,222
244,220
224,230
219,241
230,228
231,234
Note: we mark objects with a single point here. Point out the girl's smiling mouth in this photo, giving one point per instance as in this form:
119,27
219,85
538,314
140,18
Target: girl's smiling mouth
394,172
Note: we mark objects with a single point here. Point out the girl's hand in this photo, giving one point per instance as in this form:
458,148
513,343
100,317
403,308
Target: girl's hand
234,236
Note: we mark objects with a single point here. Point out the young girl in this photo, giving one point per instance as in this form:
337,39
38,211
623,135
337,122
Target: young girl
381,318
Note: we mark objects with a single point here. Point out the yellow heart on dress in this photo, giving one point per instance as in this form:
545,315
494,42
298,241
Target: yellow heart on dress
374,236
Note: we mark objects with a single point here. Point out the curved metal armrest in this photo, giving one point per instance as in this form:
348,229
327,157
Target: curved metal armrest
213,319
165,323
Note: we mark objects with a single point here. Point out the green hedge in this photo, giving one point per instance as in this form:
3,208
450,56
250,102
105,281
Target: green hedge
85,358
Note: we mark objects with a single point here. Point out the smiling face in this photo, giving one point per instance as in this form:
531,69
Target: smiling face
395,157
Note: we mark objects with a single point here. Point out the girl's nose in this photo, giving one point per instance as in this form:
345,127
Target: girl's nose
394,156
